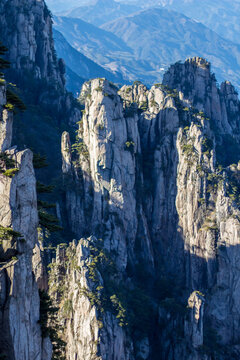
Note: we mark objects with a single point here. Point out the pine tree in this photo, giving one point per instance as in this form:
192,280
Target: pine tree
4,64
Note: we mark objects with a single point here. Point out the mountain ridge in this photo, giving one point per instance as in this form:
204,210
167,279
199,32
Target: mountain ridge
80,64
167,35
101,11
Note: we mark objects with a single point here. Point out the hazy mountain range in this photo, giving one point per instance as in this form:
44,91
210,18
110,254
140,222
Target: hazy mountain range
79,67
61,5
102,11
142,45
105,48
124,42
222,16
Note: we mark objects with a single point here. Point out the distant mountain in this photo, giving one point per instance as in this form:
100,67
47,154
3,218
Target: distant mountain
222,16
79,67
73,81
93,42
101,11
162,36
104,48
141,46
63,5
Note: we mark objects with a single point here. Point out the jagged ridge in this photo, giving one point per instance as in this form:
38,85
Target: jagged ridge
152,183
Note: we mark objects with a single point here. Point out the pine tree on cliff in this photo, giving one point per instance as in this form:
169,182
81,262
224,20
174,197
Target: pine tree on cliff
4,64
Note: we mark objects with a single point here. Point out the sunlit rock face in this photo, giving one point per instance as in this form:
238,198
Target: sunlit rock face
152,177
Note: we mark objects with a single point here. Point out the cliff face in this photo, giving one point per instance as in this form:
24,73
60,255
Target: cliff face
90,331
21,336
151,176
26,29
152,190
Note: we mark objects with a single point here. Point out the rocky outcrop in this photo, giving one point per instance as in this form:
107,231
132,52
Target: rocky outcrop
198,87
108,174
150,177
20,332
91,332
194,327
26,28
6,120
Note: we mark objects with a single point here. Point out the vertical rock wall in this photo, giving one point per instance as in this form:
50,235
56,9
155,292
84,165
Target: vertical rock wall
153,181
20,332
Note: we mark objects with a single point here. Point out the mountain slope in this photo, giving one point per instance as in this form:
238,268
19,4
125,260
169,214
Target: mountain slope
104,48
162,36
102,11
79,64
62,5
89,39
73,81
220,16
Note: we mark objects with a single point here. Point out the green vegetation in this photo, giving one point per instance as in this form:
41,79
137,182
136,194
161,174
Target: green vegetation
153,103
7,165
80,148
119,309
42,188
50,325
11,172
13,101
131,305
143,106
100,126
129,145
6,161
111,96
137,82
207,146
104,298
45,205
202,201
99,89
233,187
48,221
39,161
9,107
67,307
7,233
4,64
188,149
214,181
